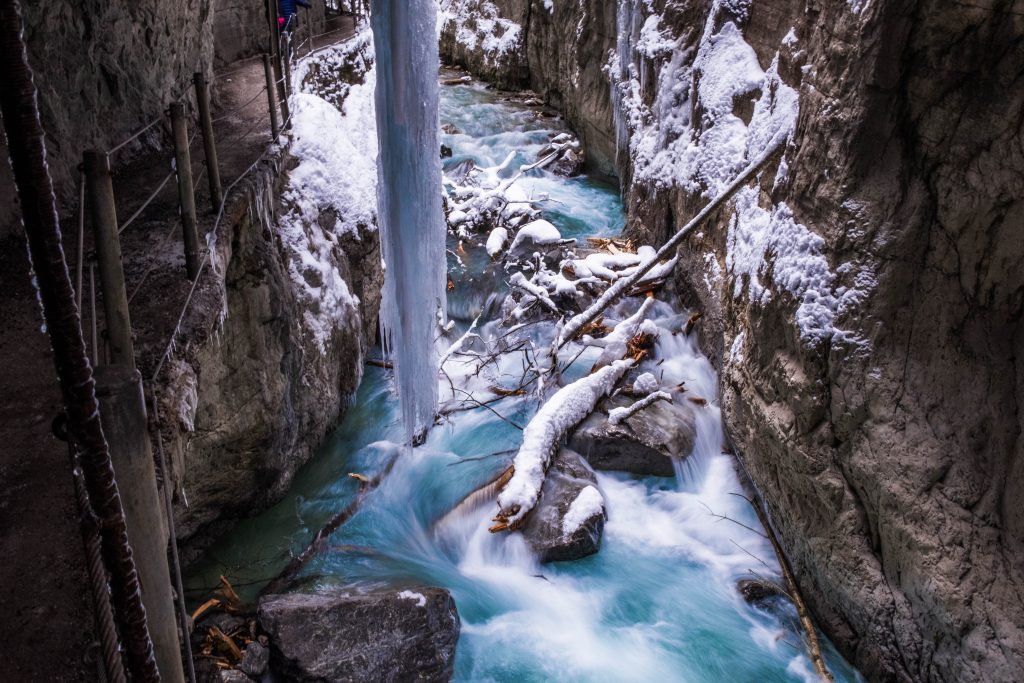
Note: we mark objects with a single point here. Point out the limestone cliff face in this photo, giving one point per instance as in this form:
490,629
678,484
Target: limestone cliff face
255,387
863,302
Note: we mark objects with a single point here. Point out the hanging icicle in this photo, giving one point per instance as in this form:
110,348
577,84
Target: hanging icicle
409,198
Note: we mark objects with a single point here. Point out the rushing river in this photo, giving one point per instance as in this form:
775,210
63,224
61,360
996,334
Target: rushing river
657,603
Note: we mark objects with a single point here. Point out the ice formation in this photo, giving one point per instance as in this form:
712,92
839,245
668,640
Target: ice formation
411,220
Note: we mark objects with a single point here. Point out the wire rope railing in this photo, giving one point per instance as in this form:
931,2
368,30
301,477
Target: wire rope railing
96,190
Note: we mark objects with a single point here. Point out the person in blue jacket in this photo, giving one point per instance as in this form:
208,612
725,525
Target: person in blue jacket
287,13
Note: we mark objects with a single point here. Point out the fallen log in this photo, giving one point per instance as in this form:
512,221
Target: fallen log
478,497
569,406
624,285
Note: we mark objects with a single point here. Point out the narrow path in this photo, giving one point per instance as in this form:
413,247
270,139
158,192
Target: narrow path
47,622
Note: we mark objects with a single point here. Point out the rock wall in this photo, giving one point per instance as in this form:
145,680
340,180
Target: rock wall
103,69
861,301
566,48
255,387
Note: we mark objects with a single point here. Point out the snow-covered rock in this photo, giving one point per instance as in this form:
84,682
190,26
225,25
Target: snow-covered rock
569,518
643,443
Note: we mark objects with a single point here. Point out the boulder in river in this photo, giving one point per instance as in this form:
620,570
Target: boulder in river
569,518
381,636
759,591
644,443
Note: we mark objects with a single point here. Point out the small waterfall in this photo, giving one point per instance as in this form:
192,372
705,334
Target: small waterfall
409,199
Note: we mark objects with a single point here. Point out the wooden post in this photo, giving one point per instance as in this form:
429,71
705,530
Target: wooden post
123,414
276,58
108,253
209,143
286,59
268,71
186,194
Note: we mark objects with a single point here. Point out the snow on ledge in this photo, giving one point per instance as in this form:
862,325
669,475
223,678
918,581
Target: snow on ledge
336,171
477,25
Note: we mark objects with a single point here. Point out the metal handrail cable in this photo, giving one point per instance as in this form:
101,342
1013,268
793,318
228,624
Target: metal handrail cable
202,264
138,211
234,111
135,135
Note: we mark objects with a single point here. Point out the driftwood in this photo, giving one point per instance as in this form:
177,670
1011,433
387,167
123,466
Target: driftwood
484,494
811,636
288,574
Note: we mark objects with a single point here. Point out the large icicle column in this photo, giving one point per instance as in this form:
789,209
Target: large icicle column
409,197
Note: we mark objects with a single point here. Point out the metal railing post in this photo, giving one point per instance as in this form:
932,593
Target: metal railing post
108,253
268,71
186,195
209,143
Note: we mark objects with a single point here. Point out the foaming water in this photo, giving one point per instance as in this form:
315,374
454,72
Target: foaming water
657,603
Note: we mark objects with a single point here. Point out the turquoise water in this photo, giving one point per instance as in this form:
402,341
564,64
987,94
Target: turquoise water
657,603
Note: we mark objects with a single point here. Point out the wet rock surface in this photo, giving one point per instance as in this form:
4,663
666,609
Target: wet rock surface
381,636
552,531
888,450
644,443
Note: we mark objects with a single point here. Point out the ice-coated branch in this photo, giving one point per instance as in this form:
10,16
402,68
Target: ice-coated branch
624,285
569,406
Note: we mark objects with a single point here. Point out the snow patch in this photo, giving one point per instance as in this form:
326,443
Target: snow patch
421,600
771,243
336,172
588,504
645,384
736,350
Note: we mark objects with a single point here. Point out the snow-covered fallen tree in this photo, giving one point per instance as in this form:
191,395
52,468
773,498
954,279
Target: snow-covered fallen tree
569,406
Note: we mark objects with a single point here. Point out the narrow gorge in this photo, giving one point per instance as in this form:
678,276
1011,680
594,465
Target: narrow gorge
706,369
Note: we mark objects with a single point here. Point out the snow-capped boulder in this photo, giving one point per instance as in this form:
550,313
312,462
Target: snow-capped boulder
643,443
538,234
568,521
